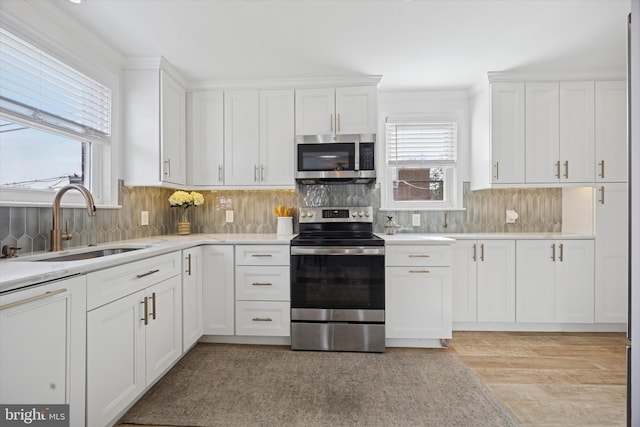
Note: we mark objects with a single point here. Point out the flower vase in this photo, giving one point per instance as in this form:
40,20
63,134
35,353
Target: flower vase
184,225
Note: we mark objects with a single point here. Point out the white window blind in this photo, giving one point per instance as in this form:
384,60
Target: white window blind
39,89
421,143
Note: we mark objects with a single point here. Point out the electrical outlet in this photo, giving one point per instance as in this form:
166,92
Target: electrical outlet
229,216
144,218
415,220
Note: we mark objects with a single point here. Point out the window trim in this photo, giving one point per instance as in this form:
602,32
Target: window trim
102,174
453,177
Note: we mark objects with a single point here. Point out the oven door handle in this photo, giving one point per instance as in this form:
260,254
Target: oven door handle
337,250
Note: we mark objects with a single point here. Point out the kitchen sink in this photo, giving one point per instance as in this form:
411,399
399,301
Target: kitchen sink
97,253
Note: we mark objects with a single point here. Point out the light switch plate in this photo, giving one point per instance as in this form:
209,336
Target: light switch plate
229,216
144,218
415,220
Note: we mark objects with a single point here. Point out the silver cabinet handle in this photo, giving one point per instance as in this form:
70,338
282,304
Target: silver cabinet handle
602,195
482,252
262,255
255,173
558,169
153,305
475,252
261,173
188,258
561,257
145,303
497,171
338,125
331,122
32,299
262,319
566,168
553,252
148,273
219,173
167,170
601,164
419,256
262,284
419,271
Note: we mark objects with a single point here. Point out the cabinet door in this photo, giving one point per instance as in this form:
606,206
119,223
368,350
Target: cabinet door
263,282
542,132
611,252
315,111
577,133
115,358
164,328
574,282
496,281
418,302
42,346
277,136
356,110
173,130
218,290
191,297
205,149
464,281
241,137
507,133
611,131
535,278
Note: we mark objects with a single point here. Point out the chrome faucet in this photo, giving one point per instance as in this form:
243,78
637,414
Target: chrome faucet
57,236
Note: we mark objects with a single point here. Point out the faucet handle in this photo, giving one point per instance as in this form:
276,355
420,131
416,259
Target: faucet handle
10,251
66,235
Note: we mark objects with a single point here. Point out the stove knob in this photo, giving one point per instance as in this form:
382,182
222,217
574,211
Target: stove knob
353,214
360,214
366,213
309,214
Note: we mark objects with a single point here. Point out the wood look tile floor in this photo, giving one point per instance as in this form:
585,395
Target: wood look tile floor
551,379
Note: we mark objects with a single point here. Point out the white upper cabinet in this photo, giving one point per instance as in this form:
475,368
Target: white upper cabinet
154,127
205,138
577,132
507,133
258,138
542,124
329,111
611,131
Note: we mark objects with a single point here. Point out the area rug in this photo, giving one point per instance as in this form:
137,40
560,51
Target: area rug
241,385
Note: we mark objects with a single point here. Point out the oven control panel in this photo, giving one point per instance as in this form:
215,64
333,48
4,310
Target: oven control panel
336,214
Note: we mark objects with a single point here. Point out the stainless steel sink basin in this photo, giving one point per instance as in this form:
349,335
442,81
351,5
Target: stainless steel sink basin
97,253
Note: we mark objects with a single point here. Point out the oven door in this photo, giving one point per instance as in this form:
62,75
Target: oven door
340,279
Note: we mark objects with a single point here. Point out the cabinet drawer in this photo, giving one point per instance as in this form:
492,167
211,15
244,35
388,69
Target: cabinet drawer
112,283
418,255
262,283
263,318
262,255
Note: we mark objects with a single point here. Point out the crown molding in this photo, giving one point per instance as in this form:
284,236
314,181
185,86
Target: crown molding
568,75
288,83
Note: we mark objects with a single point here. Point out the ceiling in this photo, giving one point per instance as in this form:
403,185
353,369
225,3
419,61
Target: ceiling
420,44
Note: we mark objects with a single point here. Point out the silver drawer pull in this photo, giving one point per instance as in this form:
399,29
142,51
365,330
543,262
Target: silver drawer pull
262,255
419,256
261,284
32,299
148,273
262,319
419,271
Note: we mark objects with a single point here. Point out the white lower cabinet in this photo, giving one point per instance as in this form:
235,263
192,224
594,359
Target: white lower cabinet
262,306
555,281
218,290
42,346
484,281
418,291
191,297
134,339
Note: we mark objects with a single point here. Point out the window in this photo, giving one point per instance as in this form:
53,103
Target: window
52,119
420,162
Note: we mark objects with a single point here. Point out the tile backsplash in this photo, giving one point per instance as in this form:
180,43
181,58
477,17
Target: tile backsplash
540,210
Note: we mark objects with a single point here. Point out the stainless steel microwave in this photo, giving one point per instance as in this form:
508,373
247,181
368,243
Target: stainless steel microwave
335,159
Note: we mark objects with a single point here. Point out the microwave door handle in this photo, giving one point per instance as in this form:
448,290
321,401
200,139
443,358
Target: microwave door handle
356,149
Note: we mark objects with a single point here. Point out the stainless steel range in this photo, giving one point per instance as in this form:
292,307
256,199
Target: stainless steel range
337,281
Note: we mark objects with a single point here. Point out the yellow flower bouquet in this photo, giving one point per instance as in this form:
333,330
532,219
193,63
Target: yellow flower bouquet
184,200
